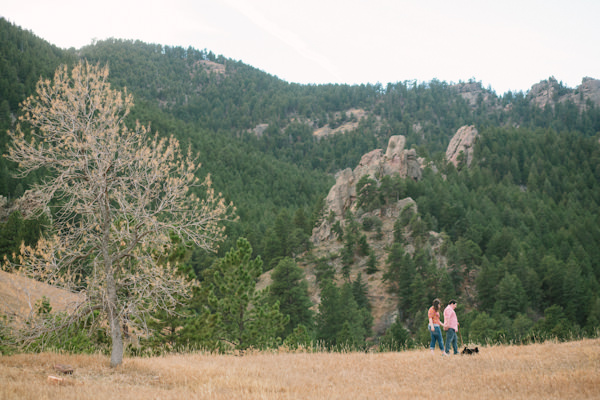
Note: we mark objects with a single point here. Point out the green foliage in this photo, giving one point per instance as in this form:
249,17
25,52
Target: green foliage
483,329
364,248
338,230
511,298
290,290
17,230
396,338
372,264
244,316
84,336
522,327
324,271
300,337
371,223
341,323
7,341
366,193
399,275
361,293
42,306
554,324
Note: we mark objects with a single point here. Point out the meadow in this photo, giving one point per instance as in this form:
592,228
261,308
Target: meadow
549,370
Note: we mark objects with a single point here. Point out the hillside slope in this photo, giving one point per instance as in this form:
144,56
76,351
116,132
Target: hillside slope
21,297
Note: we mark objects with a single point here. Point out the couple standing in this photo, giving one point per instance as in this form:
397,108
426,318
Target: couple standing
450,324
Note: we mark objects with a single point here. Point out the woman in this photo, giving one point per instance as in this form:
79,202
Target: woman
434,326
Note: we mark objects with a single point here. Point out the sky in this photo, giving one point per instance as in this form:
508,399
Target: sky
505,45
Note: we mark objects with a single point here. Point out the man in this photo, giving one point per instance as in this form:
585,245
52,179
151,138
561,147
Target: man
451,325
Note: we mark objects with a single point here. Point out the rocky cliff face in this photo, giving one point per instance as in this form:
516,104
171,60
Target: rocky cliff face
376,164
462,143
341,197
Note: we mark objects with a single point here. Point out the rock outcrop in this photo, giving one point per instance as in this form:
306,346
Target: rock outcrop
590,89
544,92
341,197
462,143
473,92
550,91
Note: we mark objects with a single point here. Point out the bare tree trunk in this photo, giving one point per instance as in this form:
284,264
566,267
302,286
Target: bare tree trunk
112,301
116,357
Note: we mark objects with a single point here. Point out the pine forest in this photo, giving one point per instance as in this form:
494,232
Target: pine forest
511,231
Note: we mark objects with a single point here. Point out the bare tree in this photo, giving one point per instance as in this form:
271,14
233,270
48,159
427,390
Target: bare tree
117,196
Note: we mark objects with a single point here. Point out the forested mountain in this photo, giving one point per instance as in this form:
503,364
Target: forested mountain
520,224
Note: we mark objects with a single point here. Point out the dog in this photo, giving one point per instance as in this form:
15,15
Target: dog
468,351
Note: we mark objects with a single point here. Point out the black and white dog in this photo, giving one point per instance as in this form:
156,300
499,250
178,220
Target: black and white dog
470,351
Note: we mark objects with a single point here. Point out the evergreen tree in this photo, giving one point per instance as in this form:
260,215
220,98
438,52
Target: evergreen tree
400,274
372,264
356,325
299,337
290,289
9,235
366,193
396,338
324,271
363,246
244,317
328,319
483,329
511,298
360,291
340,321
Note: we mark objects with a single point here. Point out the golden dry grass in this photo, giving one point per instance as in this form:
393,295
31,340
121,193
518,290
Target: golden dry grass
540,371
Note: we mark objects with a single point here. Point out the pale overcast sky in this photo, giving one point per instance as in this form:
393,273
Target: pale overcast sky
505,44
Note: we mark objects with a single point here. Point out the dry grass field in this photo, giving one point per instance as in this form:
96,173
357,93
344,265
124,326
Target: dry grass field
540,371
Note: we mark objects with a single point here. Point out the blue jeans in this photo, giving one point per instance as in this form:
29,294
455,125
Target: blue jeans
436,336
451,339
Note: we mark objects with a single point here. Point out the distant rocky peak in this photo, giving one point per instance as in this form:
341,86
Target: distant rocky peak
544,92
473,92
590,89
550,91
